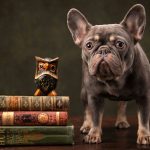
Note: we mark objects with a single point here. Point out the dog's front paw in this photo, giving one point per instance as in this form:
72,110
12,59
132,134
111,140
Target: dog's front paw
122,124
85,128
143,137
94,136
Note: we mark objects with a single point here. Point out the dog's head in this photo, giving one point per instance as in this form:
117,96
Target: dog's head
108,49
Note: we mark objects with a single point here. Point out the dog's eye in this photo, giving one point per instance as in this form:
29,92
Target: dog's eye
120,44
89,45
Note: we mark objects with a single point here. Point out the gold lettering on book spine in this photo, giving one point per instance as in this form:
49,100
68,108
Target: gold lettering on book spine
57,118
36,104
3,104
2,139
31,103
47,103
8,118
25,104
2,131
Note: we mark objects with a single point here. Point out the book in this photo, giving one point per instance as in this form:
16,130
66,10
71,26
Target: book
29,118
50,130
34,103
35,139
37,135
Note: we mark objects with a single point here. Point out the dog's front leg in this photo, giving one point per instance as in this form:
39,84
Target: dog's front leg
143,121
121,121
96,106
87,124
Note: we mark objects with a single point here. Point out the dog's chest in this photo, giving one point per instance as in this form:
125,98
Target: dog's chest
117,92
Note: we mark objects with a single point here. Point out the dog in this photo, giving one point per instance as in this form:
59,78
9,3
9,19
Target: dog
115,67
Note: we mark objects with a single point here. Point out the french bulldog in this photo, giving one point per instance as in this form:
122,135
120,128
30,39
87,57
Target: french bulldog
115,67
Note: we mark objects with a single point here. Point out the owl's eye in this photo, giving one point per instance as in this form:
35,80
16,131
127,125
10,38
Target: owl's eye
53,68
41,66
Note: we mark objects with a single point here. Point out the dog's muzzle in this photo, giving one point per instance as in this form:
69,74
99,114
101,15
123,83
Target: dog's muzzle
104,51
105,64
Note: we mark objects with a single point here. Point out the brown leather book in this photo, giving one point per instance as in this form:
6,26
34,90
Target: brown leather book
34,103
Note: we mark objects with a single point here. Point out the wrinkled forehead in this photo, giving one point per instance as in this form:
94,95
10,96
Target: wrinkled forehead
110,31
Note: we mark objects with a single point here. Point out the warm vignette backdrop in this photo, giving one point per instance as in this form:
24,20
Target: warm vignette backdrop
38,28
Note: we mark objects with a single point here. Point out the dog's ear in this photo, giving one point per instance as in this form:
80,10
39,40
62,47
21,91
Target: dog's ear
78,25
135,21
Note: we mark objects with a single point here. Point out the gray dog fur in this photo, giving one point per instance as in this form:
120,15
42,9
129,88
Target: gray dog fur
115,67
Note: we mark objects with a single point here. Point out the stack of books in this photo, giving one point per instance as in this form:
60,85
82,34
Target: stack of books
35,120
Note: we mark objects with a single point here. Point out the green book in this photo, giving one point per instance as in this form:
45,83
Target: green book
36,135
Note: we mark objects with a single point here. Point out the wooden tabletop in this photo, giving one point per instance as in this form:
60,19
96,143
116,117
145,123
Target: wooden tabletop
112,138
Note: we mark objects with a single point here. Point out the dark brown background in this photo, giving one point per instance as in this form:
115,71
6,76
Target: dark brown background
38,27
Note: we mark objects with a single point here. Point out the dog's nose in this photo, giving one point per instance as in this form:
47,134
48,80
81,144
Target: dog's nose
104,51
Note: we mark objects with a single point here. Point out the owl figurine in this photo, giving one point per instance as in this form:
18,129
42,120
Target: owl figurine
46,76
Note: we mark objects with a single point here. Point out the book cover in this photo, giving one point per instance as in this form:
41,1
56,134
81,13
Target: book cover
35,139
50,130
34,103
28,118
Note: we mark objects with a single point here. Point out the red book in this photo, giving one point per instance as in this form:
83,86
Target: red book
28,118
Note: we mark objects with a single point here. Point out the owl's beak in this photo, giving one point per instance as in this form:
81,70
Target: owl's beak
46,66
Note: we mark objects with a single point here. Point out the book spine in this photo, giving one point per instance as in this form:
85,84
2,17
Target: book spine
35,139
51,130
28,118
34,103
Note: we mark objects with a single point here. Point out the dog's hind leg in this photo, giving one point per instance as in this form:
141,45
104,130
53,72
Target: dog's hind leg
121,121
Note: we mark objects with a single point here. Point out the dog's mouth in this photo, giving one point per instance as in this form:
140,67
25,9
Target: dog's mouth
104,71
105,68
